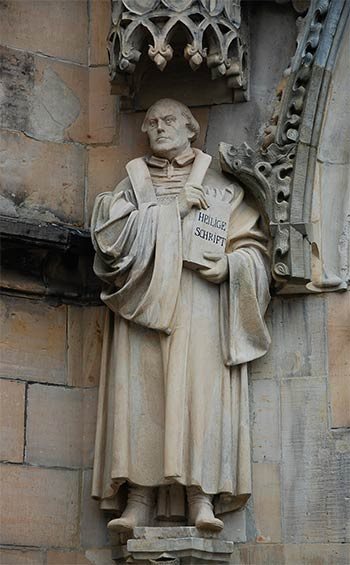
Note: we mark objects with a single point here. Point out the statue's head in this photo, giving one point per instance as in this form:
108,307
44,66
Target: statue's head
171,128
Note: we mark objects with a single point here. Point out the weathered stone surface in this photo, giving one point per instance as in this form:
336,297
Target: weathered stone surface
294,554
66,558
21,557
267,502
320,553
262,554
102,107
59,29
299,321
45,180
100,19
334,145
41,355
315,476
59,102
265,421
16,86
39,506
85,330
93,521
99,556
339,357
12,404
61,426
107,164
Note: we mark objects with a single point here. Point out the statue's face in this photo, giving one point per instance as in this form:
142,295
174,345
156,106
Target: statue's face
168,133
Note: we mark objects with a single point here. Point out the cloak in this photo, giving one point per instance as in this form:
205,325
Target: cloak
173,403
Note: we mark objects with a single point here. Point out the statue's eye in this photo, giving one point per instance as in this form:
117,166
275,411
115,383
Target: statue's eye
169,120
152,123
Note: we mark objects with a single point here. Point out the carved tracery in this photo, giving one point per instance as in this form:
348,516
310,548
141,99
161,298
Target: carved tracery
211,28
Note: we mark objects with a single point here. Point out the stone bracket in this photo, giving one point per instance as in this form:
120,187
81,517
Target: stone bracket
183,545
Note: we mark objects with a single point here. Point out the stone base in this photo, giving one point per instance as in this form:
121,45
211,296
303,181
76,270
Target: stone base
182,545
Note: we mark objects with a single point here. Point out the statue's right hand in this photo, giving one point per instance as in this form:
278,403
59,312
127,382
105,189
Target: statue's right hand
191,195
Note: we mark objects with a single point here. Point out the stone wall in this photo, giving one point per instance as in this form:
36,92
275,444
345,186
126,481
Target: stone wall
62,142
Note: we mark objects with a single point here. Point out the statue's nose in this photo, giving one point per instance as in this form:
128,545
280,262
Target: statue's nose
160,126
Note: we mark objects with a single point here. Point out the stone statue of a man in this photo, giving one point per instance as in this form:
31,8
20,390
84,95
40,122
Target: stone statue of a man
173,419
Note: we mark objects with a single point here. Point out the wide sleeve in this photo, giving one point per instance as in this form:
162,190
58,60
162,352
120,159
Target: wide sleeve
244,297
138,256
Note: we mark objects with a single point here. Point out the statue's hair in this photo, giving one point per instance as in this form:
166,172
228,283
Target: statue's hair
191,121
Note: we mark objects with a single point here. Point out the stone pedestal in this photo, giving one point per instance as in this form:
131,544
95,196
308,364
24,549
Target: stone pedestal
182,545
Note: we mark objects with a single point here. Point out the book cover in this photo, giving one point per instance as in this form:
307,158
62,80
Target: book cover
205,231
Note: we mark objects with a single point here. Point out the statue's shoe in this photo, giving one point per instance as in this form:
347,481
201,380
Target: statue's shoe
205,520
201,510
121,524
137,511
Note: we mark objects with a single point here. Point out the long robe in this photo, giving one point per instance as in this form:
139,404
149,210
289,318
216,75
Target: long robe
173,399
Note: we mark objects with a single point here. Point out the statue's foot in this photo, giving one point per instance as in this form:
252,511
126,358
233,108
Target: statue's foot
121,524
206,520
201,510
137,511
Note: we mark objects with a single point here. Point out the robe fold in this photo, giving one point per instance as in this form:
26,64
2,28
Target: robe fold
173,398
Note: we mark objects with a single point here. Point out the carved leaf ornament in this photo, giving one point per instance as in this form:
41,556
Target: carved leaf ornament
280,173
211,28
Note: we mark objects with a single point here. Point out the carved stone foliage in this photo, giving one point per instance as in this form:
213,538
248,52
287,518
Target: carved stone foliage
211,29
281,173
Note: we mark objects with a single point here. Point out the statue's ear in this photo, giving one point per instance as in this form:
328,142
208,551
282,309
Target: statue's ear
192,135
144,126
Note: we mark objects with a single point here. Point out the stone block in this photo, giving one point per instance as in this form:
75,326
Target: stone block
315,477
45,180
59,102
93,521
265,421
21,557
100,21
16,67
263,554
33,344
301,323
267,502
58,29
51,100
40,507
12,404
60,426
66,558
339,357
85,331
102,125
334,144
99,556
318,553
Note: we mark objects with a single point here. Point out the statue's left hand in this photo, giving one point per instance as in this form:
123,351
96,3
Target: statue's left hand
218,273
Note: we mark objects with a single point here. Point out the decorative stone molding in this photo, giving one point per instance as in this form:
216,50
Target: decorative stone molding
211,27
281,173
